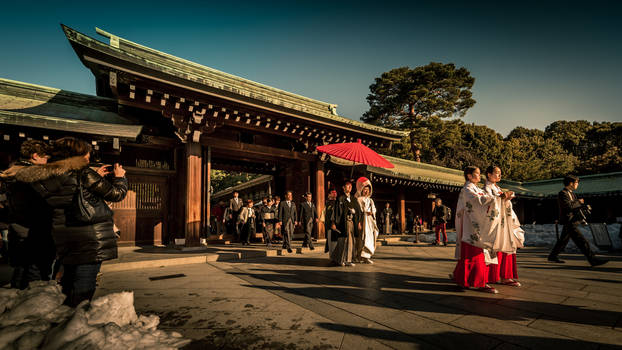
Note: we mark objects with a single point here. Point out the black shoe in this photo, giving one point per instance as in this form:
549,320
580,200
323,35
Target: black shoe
311,247
289,250
555,260
597,262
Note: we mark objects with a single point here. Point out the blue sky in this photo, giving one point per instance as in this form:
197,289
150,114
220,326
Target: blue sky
533,63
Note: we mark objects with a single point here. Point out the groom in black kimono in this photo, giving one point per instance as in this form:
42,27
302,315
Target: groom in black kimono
348,216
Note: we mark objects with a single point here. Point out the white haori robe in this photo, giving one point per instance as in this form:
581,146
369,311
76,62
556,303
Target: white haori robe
370,229
510,236
476,216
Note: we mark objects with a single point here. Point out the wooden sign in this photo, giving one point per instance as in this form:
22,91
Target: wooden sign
601,236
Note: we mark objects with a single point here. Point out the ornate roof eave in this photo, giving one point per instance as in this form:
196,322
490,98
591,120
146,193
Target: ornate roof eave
36,106
69,125
185,74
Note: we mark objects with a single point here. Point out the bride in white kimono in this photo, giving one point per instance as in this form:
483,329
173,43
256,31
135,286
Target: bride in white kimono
476,214
510,236
367,243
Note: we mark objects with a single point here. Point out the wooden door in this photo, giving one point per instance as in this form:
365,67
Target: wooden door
141,216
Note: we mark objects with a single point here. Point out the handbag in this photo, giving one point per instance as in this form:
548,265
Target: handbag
83,212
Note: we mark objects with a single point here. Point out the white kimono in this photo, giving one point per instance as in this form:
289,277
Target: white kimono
370,229
476,215
510,235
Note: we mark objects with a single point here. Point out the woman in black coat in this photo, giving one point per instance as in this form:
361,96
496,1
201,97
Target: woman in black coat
81,246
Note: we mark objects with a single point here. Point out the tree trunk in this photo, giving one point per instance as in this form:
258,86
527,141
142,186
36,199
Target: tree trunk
415,147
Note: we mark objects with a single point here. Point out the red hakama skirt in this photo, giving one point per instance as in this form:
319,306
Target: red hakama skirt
506,268
471,270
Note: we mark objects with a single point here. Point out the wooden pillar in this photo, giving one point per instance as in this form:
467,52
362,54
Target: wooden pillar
402,200
320,196
192,217
206,192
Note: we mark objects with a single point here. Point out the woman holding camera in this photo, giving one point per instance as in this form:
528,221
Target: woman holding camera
83,238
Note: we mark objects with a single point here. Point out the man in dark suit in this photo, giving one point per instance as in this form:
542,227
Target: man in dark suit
569,216
288,220
235,205
308,217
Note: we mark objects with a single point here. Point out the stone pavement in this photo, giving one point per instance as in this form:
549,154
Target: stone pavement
403,301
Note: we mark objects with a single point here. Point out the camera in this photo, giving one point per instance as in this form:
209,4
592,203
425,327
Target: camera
583,213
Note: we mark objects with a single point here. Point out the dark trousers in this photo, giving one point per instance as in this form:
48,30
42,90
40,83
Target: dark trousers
79,282
288,231
26,273
237,227
248,229
572,231
308,230
438,228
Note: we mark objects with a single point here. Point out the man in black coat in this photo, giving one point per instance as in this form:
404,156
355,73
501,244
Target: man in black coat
346,225
31,248
235,205
569,216
410,220
308,217
329,218
288,220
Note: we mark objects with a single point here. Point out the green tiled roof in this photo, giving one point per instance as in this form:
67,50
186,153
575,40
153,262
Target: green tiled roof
594,185
228,84
414,171
229,190
37,106
520,189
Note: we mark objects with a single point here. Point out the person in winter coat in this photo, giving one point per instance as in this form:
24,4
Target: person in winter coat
31,247
440,216
82,244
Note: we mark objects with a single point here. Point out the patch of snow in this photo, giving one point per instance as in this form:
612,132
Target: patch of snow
35,318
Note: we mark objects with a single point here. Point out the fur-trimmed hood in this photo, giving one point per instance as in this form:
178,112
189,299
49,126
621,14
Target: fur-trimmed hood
24,172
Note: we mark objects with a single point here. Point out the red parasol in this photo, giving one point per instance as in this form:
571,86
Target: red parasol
356,152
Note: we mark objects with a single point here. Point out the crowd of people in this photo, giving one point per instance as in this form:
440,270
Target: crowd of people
59,222
349,219
488,232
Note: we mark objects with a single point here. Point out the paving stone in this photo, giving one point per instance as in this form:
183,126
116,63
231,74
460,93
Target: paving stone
403,301
596,334
355,341
440,334
518,335
483,307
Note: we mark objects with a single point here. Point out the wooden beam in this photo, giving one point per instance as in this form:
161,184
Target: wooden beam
272,152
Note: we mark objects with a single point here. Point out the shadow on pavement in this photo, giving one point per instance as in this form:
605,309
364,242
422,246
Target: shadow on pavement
456,340
414,293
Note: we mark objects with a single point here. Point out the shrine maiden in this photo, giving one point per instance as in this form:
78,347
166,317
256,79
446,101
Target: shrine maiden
475,212
509,236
